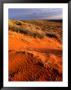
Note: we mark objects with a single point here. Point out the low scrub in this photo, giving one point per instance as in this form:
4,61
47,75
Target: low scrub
25,31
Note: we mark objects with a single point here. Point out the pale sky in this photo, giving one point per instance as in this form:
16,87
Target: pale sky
32,13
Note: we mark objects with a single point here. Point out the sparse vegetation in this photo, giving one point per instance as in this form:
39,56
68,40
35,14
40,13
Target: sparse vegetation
26,31
18,23
42,28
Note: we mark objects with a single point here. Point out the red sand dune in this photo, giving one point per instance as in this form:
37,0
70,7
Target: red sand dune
34,59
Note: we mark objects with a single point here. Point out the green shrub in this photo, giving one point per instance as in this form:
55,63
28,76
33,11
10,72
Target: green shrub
18,23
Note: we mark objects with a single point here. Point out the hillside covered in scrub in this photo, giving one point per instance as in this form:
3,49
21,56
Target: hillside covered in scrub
35,50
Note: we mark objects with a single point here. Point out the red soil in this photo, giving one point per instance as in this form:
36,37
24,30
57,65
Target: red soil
33,59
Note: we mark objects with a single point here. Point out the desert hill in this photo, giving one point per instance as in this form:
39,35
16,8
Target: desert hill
35,50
